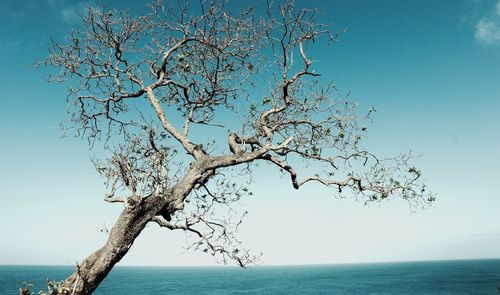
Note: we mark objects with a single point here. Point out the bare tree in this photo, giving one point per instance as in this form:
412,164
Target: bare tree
187,99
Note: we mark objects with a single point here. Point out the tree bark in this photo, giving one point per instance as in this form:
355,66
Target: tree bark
127,228
92,271
134,217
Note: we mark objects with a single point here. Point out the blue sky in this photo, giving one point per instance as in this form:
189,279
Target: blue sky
431,68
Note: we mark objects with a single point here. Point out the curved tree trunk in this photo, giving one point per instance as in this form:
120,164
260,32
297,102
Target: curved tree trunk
92,271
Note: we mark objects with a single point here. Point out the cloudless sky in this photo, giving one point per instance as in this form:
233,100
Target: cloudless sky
431,68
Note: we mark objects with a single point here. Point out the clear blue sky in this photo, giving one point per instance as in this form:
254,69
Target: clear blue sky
431,68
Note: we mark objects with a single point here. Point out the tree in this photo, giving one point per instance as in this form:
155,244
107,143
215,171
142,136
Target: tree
184,98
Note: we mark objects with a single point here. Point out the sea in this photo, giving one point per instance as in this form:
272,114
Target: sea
436,277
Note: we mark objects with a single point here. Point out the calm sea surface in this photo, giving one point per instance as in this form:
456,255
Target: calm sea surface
446,277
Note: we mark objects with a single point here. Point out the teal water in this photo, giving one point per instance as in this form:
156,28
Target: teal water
444,277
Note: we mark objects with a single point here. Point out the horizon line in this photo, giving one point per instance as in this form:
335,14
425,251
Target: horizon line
270,265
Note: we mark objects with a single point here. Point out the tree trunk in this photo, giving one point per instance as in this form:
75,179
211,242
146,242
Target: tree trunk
92,271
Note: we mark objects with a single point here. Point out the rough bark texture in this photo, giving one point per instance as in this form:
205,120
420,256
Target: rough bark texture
134,217
96,267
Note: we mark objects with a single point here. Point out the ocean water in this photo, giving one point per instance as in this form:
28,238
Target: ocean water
443,277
